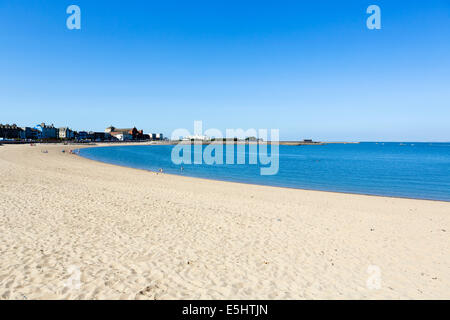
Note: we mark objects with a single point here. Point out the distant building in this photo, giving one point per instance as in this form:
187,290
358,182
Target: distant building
65,133
122,136
82,135
48,132
253,139
159,136
196,138
110,129
28,133
135,133
10,131
99,136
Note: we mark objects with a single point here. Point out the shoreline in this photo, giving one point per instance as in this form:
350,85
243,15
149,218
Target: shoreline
248,183
135,234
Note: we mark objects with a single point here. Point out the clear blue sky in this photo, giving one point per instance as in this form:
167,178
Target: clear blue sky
309,68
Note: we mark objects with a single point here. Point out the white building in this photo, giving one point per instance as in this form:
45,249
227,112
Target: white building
122,136
196,137
66,133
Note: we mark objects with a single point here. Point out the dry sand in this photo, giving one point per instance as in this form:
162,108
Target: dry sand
133,234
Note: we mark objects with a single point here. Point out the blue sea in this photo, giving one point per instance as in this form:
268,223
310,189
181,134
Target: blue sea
410,170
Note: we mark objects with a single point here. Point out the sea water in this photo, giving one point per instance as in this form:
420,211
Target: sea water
411,170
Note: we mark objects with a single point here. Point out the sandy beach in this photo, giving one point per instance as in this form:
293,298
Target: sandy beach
72,228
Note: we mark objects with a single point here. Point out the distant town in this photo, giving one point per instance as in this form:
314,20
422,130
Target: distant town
50,133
